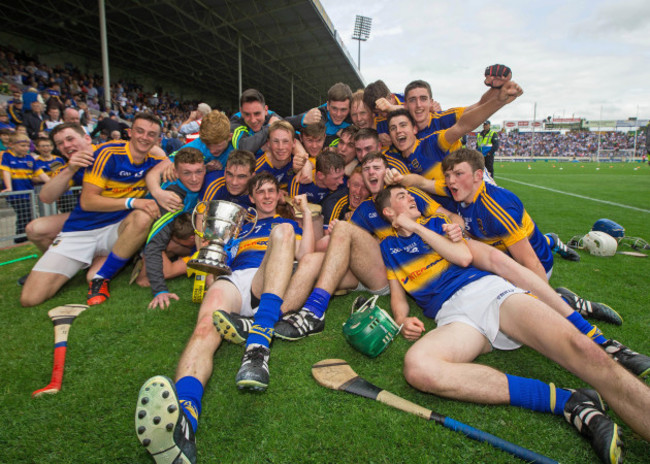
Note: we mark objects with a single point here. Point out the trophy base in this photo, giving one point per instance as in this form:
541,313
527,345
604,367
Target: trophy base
209,266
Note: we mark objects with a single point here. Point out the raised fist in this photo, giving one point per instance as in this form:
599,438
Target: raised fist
497,75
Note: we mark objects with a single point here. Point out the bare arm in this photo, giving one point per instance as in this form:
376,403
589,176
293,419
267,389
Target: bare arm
306,244
6,179
412,326
473,118
165,198
457,253
92,200
523,253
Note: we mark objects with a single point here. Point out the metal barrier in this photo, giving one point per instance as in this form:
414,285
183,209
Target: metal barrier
19,207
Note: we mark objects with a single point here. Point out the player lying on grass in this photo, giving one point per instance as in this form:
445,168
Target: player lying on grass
262,269
475,312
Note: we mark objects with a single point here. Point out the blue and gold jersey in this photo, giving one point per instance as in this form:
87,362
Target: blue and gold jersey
426,158
421,271
336,206
251,249
115,172
283,174
22,169
214,188
367,217
381,123
51,167
497,217
315,194
441,121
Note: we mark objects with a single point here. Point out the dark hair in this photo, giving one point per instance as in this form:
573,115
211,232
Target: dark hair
339,92
373,92
372,156
260,179
417,84
314,130
251,95
366,133
472,157
152,118
182,227
67,125
400,112
328,160
382,200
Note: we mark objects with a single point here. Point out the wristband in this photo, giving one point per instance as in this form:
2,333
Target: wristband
129,203
160,293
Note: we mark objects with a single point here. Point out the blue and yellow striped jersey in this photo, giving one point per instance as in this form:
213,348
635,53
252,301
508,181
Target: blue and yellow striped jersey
315,194
441,121
497,217
425,159
214,188
251,249
367,217
421,271
22,169
283,174
51,167
115,172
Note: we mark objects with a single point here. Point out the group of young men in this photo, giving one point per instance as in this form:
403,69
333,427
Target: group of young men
404,210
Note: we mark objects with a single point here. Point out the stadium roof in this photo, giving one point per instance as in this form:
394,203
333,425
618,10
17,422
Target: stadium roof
196,43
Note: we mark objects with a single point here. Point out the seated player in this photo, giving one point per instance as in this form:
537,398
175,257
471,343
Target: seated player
111,189
476,312
335,113
250,126
496,216
261,274
163,258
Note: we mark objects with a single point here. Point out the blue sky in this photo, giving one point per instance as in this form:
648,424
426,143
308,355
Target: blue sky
571,58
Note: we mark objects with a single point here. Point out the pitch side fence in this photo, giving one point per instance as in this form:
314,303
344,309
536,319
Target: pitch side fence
19,207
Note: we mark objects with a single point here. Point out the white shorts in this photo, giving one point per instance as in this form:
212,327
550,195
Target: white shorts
477,305
72,251
243,280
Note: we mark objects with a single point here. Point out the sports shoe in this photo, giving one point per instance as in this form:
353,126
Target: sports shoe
585,410
232,327
636,363
254,371
590,309
161,425
561,249
98,291
297,325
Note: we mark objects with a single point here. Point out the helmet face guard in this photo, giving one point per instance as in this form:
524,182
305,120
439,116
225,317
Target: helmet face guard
609,227
370,329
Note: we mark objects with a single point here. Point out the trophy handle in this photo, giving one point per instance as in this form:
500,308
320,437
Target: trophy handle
253,212
200,234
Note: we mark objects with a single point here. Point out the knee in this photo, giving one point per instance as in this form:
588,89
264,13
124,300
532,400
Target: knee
311,261
423,372
31,230
282,235
139,220
205,329
30,297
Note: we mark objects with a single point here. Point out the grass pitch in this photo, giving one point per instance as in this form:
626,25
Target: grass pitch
115,347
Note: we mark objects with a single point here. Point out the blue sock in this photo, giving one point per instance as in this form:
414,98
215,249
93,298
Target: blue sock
266,316
190,392
111,266
317,302
550,241
586,328
536,395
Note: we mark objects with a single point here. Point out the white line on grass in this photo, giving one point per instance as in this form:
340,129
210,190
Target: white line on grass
575,195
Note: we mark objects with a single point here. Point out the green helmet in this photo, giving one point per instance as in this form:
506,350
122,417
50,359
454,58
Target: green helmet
369,329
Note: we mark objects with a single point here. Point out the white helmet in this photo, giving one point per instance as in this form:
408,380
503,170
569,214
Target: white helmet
599,243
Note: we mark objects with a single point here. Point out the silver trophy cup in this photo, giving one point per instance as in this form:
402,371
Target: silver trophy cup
222,221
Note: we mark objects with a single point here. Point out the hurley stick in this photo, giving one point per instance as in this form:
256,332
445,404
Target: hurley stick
62,317
337,374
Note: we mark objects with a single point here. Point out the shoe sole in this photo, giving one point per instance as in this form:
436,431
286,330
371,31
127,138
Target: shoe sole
294,339
616,451
156,415
252,385
95,300
226,329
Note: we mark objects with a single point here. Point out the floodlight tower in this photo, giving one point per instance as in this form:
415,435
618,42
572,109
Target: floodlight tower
362,27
